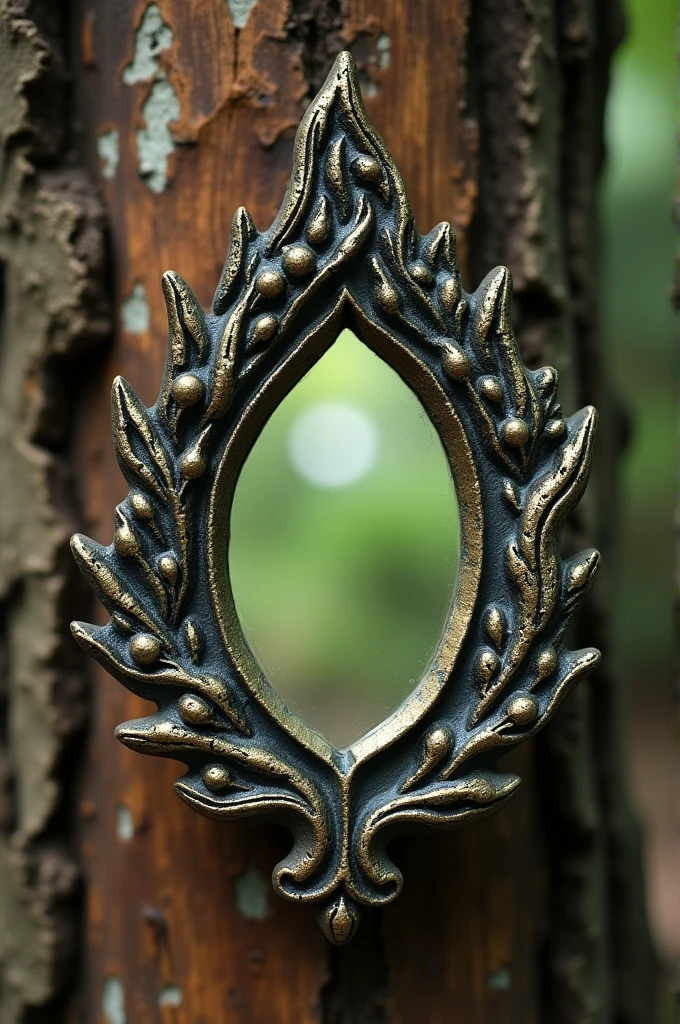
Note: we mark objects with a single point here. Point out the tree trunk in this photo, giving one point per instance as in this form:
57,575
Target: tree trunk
174,114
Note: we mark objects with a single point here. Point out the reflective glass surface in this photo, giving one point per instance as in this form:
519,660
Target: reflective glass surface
344,543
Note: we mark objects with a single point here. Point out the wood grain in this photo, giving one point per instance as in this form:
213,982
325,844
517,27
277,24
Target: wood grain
461,944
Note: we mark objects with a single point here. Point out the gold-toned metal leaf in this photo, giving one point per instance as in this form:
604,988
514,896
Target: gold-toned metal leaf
339,920
386,295
131,419
460,799
507,727
224,363
546,380
496,626
487,666
533,561
450,294
441,242
396,248
320,224
348,248
300,190
122,623
486,310
581,570
184,313
490,332
264,329
511,495
336,176
91,638
93,562
127,545
194,641
436,746
193,462
459,316
524,402
156,735
167,566
546,663
124,539
242,232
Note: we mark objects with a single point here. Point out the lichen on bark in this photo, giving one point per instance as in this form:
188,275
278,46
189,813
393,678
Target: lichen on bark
52,256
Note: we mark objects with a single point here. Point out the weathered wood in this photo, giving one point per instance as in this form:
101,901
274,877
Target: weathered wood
240,103
463,939
493,113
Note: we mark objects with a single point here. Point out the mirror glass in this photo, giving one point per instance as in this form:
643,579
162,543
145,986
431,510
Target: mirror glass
344,543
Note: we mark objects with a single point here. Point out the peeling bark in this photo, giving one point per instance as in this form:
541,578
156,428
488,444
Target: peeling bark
493,111
51,248
541,85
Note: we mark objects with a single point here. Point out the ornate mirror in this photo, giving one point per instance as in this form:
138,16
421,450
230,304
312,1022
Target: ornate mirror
343,254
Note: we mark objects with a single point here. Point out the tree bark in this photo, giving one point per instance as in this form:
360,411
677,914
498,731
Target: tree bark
178,114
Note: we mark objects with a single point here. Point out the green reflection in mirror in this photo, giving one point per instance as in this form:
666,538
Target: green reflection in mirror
344,543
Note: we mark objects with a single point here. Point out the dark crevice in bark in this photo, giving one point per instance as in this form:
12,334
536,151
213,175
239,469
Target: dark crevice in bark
589,35
539,82
317,27
358,986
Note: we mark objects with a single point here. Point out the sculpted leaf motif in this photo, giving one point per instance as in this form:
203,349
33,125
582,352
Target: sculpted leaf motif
158,735
96,564
132,429
165,672
184,314
439,804
343,251
533,560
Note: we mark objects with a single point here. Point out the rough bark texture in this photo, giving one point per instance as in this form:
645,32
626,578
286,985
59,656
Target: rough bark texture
542,80
493,112
51,248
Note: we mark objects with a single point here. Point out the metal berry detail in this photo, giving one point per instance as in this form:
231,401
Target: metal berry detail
343,251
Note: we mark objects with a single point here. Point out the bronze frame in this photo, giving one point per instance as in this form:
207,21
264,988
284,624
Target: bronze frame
342,251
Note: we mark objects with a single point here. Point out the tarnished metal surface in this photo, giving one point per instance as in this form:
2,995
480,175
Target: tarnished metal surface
342,251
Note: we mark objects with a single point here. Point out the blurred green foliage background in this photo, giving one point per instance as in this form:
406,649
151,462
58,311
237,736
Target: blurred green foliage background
638,333
638,240
343,591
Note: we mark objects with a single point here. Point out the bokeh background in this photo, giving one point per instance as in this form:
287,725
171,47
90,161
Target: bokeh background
638,324
344,525
344,543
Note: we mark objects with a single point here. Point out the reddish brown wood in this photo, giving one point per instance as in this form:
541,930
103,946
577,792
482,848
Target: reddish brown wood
462,940
494,112
161,905
420,105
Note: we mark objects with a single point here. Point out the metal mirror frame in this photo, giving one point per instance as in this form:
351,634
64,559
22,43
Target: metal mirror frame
343,251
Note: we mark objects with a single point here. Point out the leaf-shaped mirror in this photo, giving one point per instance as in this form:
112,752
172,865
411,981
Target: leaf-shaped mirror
344,543
343,253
